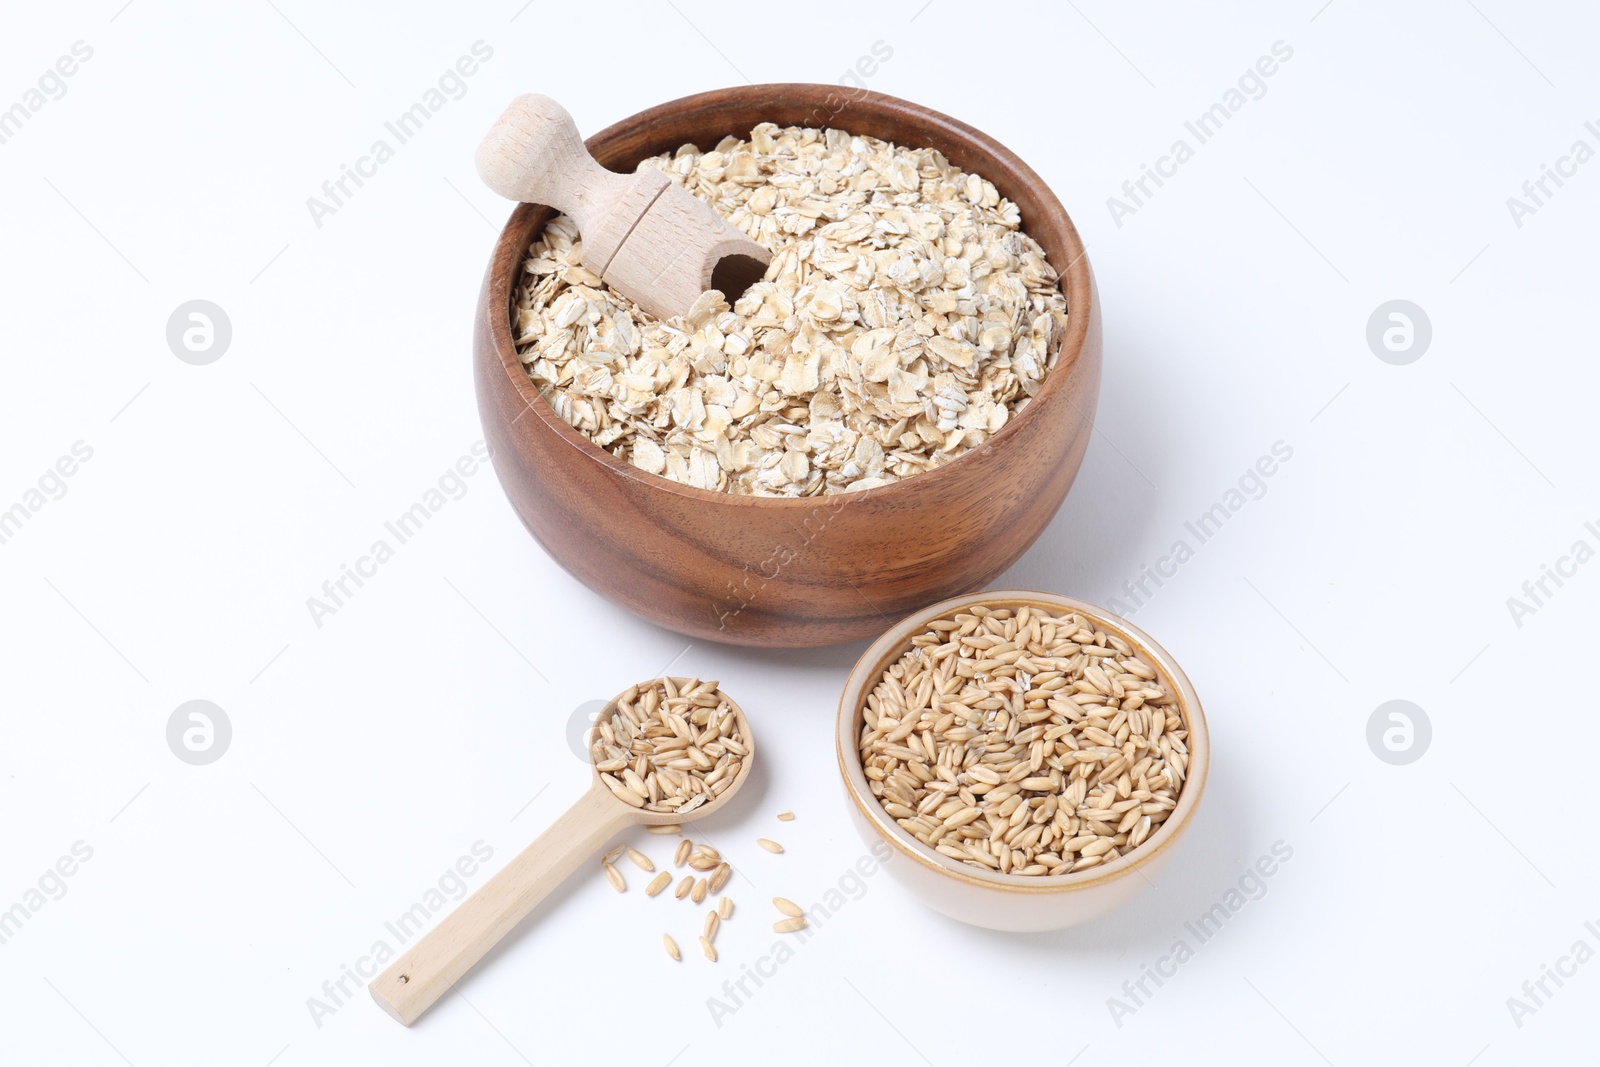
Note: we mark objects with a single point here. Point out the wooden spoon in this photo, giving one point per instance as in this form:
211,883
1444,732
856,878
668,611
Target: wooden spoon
427,970
651,240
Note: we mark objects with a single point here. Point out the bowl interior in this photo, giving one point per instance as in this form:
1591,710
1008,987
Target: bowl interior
893,644
705,119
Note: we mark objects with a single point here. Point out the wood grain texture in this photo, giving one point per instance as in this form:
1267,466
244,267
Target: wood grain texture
791,572
651,240
422,974
534,153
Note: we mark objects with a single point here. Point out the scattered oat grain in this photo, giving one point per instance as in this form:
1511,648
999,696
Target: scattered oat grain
788,907
614,876
719,877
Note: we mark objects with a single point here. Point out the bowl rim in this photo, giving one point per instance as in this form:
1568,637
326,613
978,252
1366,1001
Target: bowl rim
869,668
1075,281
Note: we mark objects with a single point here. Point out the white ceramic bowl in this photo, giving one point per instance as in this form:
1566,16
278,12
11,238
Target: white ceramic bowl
1009,901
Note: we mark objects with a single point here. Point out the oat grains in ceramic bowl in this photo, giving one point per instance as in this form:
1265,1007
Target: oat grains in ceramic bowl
751,566
1032,759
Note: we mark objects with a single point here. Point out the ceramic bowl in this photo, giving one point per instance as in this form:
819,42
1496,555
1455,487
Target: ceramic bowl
1008,901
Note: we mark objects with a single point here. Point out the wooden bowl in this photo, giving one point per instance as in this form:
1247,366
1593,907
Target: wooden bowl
778,571
1011,901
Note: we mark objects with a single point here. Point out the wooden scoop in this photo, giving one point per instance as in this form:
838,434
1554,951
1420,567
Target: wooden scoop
651,240
427,970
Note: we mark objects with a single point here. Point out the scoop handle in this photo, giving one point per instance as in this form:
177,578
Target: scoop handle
534,154
427,970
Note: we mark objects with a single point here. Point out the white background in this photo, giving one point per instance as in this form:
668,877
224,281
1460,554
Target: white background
430,712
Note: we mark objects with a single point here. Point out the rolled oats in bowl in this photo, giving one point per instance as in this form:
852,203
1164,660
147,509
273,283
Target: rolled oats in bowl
905,318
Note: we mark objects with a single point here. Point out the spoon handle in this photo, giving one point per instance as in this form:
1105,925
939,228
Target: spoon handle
427,970
535,154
